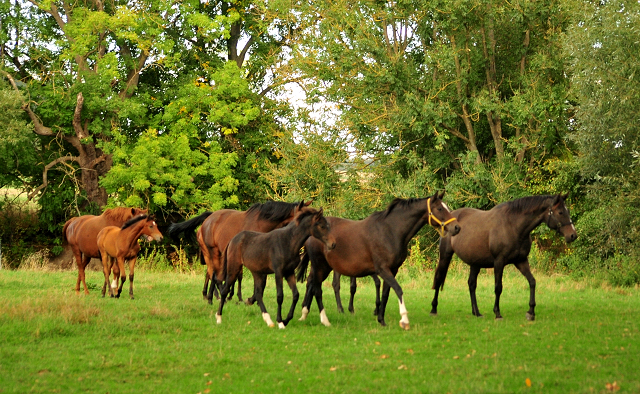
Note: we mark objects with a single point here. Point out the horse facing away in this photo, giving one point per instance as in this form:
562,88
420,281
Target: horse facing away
81,233
375,245
501,236
219,227
276,252
120,244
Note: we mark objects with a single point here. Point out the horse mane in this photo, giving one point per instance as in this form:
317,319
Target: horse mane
397,202
118,214
524,204
133,221
304,214
273,211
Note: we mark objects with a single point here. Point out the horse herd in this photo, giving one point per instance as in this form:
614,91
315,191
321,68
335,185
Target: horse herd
267,239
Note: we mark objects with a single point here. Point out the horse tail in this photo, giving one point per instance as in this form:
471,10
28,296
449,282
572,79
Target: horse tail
64,229
301,269
224,262
187,226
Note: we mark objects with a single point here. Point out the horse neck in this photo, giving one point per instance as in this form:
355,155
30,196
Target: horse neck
297,234
531,219
131,234
253,221
405,222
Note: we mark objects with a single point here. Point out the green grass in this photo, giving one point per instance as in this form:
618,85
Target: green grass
585,338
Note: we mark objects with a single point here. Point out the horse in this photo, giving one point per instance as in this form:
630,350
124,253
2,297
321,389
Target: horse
376,245
81,234
120,244
498,237
219,227
353,286
276,252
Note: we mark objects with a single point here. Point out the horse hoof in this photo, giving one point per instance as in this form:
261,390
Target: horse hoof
382,323
405,326
281,325
498,317
433,313
531,317
272,325
218,319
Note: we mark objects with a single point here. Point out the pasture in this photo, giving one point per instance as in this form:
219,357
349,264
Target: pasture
586,338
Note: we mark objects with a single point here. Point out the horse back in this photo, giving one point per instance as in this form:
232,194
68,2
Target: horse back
480,237
251,249
220,227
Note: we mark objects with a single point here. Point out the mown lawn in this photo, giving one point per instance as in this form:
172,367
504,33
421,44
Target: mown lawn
585,339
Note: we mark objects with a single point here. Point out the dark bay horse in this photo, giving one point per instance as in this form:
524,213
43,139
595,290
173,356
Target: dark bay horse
353,286
219,227
276,252
117,244
81,233
501,236
376,245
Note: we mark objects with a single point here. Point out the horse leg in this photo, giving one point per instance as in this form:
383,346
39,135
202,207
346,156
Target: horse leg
473,284
78,256
383,303
123,276
352,288
280,298
376,282
132,264
497,272
390,281
336,290
106,269
308,297
240,286
261,281
526,271
317,287
291,280
232,274
446,253
81,275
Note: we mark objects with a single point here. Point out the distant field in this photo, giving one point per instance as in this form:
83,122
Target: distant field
584,340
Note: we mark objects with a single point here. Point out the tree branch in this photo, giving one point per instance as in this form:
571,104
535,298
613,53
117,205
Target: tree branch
45,182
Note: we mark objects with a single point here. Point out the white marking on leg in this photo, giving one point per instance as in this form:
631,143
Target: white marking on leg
281,325
324,319
267,319
305,312
114,284
218,319
403,313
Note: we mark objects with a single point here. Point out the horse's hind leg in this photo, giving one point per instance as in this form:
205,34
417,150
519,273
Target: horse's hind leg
497,272
240,286
446,254
84,262
376,282
526,271
132,264
260,281
291,280
352,293
390,281
473,284
308,297
336,290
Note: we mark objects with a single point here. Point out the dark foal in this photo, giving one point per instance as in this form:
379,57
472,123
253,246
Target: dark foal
376,245
220,226
501,236
118,244
276,252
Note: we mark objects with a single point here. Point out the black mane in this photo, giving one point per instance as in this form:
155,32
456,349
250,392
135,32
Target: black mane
133,221
525,204
398,202
273,211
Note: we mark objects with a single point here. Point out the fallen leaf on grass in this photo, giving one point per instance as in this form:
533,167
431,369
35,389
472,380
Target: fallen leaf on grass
410,351
612,386
333,369
402,367
456,357
209,383
206,374
384,356
527,382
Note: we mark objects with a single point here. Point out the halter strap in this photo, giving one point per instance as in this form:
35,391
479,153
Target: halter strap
441,225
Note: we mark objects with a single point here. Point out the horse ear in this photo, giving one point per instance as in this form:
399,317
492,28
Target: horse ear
320,212
306,204
301,205
565,196
441,195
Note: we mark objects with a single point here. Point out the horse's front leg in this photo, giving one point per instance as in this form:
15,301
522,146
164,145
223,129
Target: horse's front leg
106,269
291,280
526,271
132,264
446,254
352,294
390,281
280,298
376,283
336,290
308,298
497,272
260,282
123,276
473,284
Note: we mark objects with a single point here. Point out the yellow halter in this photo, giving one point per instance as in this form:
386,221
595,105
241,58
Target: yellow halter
440,229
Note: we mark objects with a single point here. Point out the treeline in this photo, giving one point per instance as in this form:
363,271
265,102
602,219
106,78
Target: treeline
189,106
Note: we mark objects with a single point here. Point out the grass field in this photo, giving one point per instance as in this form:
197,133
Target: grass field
585,339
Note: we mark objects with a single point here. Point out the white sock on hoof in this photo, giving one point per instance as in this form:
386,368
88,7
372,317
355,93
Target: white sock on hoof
218,319
267,319
305,312
281,325
403,313
324,319
114,284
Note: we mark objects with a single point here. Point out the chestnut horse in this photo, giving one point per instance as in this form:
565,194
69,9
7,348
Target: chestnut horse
276,252
376,245
120,244
81,234
220,226
501,236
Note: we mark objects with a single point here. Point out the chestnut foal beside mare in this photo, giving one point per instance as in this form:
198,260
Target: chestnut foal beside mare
120,244
375,245
501,236
220,226
276,252
81,233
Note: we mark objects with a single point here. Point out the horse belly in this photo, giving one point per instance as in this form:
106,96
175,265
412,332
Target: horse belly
473,252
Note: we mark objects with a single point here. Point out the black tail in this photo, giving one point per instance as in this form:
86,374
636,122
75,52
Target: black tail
301,269
187,227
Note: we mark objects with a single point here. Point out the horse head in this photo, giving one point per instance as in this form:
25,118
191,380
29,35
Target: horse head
559,219
151,232
321,229
439,215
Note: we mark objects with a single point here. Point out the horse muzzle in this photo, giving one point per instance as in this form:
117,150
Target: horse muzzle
453,231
